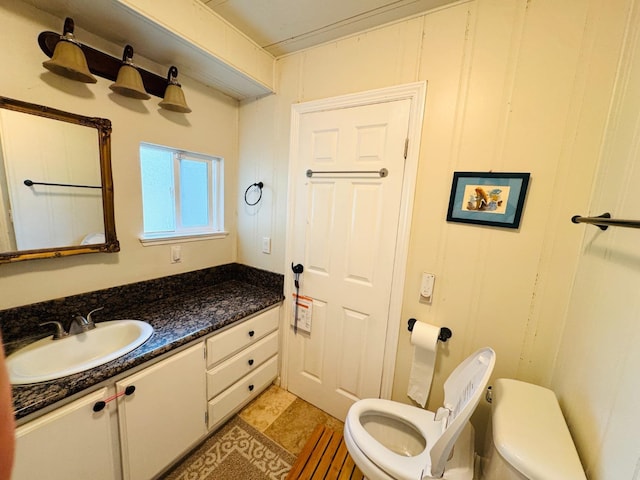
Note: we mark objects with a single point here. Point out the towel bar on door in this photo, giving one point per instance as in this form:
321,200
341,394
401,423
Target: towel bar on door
383,172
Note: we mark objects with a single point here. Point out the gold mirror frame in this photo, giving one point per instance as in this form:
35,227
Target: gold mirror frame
103,127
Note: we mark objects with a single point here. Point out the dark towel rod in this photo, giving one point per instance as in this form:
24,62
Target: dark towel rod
29,183
605,221
445,333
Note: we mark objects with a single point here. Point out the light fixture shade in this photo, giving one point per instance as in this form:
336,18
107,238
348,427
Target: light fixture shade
173,95
174,99
69,61
129,83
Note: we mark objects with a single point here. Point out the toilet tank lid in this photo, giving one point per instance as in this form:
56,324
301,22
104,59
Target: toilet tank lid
530,432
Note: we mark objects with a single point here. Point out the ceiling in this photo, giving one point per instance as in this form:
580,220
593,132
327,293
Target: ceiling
280,27
286,26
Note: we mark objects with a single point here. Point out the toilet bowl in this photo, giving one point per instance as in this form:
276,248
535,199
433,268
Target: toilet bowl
394,441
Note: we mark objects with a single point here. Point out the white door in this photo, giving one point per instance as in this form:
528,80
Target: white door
344,227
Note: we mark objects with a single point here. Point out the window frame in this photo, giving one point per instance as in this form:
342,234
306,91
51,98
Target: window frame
215,180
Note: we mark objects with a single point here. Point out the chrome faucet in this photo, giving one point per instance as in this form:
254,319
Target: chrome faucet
60,331
81,324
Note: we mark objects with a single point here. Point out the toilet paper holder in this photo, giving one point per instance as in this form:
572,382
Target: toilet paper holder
445,333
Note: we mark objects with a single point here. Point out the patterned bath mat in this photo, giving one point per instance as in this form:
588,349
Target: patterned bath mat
237,451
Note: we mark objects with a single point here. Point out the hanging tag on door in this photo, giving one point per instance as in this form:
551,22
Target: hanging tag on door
305,310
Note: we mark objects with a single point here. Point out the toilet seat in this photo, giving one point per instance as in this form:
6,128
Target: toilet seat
440,431
370,470
395,465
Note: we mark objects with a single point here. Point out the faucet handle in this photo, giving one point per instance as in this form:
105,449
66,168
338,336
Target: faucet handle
60,331
91,312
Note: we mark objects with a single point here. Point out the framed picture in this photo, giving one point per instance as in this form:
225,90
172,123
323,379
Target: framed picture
494,199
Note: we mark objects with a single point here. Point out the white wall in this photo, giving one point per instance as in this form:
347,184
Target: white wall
597,372
211,128
512,86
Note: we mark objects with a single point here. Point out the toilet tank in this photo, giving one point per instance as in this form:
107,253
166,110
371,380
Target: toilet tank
530,438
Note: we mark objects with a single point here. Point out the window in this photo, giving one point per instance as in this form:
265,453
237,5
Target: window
181,193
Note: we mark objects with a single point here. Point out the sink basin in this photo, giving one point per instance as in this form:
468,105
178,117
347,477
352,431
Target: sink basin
48,359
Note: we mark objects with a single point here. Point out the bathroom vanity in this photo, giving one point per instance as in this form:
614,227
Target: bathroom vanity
212,351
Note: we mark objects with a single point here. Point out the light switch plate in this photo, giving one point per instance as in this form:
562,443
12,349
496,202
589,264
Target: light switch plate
426,286
266,244
176,254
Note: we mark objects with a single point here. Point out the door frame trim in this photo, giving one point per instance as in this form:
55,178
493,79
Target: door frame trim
416,93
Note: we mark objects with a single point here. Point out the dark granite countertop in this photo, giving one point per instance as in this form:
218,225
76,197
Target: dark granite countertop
177,321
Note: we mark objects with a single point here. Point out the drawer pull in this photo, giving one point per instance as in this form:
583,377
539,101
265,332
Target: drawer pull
251,333
98,406
250,362
251,388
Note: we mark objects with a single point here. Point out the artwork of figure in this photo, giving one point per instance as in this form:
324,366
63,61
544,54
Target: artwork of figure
482,201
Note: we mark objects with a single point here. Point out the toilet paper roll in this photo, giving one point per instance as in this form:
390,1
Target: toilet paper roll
424,339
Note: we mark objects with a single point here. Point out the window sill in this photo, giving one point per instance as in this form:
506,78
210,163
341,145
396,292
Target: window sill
194,237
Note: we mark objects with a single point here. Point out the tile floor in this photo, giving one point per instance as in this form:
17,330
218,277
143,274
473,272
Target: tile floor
286,419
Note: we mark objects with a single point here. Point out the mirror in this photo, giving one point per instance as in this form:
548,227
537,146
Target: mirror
56,187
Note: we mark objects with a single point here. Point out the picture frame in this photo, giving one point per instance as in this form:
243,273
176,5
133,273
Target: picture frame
488,198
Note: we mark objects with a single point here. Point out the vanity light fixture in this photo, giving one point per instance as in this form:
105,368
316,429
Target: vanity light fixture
174,96
68,58
129,81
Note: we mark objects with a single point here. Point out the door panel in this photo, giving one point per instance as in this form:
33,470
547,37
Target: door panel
352,352
364,233
313,348
322,206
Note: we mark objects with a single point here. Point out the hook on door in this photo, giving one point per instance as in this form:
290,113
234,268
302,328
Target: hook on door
297,270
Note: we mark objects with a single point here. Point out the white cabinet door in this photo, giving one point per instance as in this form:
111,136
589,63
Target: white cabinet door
165,415
70,443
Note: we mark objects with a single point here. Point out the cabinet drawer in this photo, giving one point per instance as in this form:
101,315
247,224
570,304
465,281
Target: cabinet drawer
236,367
235,397
225,344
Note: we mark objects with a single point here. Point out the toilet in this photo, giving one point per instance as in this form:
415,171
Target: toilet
394,441
527,438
